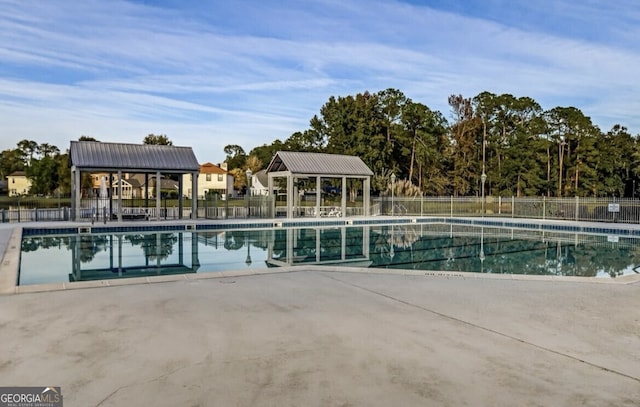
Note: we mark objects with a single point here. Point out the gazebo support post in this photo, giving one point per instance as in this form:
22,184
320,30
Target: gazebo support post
343,203
180,197
119,195
158,202
194,195
77,194
318,195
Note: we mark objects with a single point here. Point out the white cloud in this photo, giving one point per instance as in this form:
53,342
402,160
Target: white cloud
119,70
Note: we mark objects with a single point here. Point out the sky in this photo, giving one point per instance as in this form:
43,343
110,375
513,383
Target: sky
212,73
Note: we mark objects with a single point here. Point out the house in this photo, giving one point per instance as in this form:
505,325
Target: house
211,179
133,185
260,183
18,183
130,188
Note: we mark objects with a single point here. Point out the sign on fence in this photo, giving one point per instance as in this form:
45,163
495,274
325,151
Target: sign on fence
614,207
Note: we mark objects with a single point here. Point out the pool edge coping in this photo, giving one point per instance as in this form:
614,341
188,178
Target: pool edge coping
11,263
35,288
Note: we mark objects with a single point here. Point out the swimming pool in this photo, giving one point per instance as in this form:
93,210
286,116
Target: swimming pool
431,246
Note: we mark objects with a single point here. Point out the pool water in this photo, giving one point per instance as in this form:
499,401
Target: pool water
429,247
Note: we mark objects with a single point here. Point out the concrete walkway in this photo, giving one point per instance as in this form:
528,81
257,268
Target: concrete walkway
329,339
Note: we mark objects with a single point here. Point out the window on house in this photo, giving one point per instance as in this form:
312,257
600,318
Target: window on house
13,180
219,177
208,177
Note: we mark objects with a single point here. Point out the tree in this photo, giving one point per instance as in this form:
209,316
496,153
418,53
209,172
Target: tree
510,129
253,163
616,163
43,174
28,148
47,150
392,102
89,138
159,139
422,128
266,152
64,173
236,156
574,135
11,161
239,178
464,144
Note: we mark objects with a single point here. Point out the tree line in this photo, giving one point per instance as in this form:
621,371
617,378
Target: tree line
522,149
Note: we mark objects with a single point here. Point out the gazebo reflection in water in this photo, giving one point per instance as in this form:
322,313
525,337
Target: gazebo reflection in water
158,258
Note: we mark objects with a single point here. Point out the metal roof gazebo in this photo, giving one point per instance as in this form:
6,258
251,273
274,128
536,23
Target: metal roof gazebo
94,156
321,175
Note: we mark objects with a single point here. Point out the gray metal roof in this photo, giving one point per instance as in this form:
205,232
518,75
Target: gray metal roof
144,157
318,163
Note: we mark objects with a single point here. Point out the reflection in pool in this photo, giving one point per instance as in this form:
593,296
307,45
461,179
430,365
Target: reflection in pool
433,247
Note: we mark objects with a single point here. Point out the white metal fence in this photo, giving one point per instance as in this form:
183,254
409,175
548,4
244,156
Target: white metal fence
625,210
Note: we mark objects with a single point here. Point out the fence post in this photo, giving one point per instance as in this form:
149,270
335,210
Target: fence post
451,206
513,206
544,207
577,206
421,203
500,205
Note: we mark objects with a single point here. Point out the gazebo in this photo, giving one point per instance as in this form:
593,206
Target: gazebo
148,159
312,183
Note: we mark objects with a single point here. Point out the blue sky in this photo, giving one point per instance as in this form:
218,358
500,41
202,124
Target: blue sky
212,73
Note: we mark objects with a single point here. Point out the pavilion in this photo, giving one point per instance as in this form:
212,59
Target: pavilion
148,159
311,177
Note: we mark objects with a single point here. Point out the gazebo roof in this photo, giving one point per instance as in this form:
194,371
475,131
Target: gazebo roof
132,157
318,163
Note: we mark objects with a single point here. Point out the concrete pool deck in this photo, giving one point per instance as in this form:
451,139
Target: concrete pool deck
308,337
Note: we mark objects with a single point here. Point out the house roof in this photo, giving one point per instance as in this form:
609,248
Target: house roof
168,184
131,157
209,168
318,163
134,182
262,177
17,174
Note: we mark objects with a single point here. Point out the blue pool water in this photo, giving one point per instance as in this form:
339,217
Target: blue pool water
429,247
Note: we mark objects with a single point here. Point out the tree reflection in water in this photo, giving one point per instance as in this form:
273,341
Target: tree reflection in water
235,239
154,245
459,250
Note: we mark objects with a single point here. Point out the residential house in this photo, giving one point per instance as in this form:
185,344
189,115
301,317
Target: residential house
260,183
211,179
18,183
130,188
133,185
